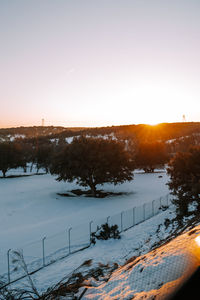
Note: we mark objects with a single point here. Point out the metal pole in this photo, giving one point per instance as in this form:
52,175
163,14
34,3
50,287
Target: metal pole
167,199
144,211
8,260
160,202
121,221
153,208
90,229
108,219
133,216
69,230
43,252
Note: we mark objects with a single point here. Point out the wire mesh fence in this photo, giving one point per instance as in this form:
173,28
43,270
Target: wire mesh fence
51,248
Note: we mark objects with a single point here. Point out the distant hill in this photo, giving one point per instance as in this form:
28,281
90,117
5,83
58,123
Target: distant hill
146,133
10,134
141,132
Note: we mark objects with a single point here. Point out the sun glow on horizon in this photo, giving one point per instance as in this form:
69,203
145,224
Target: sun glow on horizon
114,64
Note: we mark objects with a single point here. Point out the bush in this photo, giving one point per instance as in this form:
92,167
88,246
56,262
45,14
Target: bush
105,232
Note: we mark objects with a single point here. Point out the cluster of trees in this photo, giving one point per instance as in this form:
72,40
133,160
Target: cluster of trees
150,156
11,157
31,131
95,161
17,154
44,154
147,133
183,144
141,133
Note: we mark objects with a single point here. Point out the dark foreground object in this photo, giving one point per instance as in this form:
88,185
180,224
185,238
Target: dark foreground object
191,288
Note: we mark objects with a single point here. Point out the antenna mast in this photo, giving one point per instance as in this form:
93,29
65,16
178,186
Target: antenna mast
184,118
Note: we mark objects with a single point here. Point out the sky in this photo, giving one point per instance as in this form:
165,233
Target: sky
99,63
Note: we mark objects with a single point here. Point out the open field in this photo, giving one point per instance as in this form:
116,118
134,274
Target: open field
31,208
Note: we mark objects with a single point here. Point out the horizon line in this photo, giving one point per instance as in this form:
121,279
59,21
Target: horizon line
86,127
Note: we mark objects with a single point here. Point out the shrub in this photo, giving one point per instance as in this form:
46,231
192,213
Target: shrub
105,232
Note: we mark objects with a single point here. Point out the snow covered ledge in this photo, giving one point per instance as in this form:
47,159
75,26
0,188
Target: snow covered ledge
157,274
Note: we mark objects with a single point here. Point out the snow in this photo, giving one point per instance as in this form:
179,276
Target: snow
69,140
134,241
171,141
12,138
148,274
17,136
155,274
32,209
54,140
105,136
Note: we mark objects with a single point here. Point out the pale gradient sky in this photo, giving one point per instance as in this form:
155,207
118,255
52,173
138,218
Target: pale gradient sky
99,62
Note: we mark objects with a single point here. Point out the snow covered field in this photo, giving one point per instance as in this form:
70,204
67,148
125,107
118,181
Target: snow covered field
31,209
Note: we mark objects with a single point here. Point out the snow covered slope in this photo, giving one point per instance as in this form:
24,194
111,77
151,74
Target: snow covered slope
142,273
156,274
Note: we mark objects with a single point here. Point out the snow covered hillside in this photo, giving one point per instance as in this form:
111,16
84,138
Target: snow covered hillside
155,275
133,266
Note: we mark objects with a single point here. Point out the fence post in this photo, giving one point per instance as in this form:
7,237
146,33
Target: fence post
121,221
144,205
133,216
69,230
43,252
167,199
8,260
160,202
153,208
90,229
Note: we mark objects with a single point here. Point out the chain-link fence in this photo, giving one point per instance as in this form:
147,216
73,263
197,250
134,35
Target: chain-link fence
51,248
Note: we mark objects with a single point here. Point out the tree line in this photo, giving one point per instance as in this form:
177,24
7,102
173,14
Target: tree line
94,161
43,154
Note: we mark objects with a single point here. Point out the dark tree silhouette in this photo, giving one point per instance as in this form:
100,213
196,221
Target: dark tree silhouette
93,161
184,171
150,156
11,157
43,157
